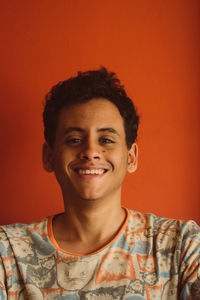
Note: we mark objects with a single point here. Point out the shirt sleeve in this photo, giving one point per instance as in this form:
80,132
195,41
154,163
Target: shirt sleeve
3,292
3,255
190,262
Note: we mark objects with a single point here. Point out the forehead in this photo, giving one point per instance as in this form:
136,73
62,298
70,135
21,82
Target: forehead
93,113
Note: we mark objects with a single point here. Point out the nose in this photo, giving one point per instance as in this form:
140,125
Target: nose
91,151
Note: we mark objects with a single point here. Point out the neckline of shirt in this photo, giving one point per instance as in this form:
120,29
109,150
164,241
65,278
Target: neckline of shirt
54,242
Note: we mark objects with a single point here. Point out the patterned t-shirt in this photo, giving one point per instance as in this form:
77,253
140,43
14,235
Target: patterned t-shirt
150,258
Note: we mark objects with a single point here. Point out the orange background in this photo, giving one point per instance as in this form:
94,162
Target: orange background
154,47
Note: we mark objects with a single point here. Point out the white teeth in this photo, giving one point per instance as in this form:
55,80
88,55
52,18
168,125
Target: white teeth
94,171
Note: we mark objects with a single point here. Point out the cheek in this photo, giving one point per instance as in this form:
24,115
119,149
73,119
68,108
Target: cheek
61,159
60,167
121,159
120,163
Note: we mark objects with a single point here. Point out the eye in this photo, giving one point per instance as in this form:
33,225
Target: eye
73,141
106,141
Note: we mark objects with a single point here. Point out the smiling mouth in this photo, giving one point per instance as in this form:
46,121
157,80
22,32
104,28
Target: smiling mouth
90,171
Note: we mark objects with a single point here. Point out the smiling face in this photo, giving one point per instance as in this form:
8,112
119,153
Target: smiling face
90,156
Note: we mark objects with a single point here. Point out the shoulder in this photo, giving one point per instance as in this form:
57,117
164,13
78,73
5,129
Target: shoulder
22,228
14,234
164,225
165,235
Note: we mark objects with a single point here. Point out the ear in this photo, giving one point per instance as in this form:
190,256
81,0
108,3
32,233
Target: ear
132,158
47,158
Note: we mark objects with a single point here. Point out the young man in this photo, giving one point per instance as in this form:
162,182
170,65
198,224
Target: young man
96,249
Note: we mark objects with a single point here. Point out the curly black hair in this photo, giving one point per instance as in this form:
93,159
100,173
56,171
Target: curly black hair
85,86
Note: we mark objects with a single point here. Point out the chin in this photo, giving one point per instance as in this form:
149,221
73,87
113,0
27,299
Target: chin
90,196
89,199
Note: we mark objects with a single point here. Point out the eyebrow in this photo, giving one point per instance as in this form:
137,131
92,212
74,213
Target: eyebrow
104,129
71,129
108,129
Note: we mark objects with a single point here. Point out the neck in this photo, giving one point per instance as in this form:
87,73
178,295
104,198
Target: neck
91,224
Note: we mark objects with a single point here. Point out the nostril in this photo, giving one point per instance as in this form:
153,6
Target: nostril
85,156
89,155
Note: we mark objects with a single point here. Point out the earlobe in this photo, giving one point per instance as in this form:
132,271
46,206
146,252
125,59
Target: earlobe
47,158
132,158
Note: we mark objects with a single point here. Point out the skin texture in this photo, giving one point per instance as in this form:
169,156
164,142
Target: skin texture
90,136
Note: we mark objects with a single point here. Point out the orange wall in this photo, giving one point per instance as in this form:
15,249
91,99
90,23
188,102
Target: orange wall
154,46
